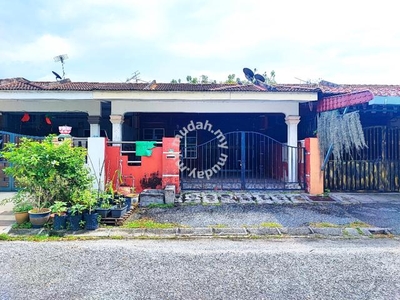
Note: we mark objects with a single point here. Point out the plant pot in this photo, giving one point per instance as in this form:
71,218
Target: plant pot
117,212
103,212
91,221
128,202
124,190
21,217
74,222
60,222
38,219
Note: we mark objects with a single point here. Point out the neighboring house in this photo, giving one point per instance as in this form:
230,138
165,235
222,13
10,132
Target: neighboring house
377,167
261,127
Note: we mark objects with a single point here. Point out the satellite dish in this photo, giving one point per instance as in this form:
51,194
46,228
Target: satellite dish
57,76
249,74
259,77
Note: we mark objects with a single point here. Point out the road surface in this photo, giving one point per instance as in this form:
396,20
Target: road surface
201,269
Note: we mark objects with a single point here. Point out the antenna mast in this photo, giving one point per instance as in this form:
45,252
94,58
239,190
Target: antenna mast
61,58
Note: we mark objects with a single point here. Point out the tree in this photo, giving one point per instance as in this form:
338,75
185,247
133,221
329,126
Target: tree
271,78
204,79
231,79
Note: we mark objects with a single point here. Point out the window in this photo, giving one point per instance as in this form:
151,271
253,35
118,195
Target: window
189,144
153,134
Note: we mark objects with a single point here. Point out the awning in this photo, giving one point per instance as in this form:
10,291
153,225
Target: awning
344,100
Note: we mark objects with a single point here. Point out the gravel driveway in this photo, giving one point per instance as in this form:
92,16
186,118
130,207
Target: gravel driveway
238,215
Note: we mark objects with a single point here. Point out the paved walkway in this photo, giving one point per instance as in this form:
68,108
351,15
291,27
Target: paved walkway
6,214
297,209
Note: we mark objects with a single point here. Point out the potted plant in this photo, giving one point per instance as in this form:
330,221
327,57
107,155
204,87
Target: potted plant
119,209
76,216
131,198
89,200
21,207
21,212
59,208
46,172
104,208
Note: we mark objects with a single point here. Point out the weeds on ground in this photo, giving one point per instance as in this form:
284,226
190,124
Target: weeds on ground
149,223
358,224
157,205
324,225
25,225
270,225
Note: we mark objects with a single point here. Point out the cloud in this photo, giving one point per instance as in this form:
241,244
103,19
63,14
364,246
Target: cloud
38,50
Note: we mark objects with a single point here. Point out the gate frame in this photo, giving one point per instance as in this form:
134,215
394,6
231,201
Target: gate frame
297,153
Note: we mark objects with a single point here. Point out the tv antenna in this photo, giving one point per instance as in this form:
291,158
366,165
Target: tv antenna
134,76
61,58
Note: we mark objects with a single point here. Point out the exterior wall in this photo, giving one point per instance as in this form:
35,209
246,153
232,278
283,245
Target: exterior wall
150,173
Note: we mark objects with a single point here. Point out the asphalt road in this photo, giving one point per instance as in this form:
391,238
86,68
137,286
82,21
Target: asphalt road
201,269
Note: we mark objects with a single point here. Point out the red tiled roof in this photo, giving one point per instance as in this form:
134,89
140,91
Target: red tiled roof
376,89
19,84
343,100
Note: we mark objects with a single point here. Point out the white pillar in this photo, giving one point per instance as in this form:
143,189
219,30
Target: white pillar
117,121
94,122
292,122
96,159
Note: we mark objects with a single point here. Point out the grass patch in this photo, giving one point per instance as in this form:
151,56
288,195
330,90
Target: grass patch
158,205
4,237
358,224
149,223
270,225
324,225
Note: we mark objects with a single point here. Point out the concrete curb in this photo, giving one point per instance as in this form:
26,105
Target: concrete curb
202,232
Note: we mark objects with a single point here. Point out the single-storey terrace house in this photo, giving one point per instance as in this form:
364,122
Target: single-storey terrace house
257,129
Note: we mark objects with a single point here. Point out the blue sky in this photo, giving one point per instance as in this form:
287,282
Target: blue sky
108,40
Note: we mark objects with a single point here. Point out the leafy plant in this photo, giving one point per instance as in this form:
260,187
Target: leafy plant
22,207
59,208
105,203
88,199
46,172
77,209
119,200
25,225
